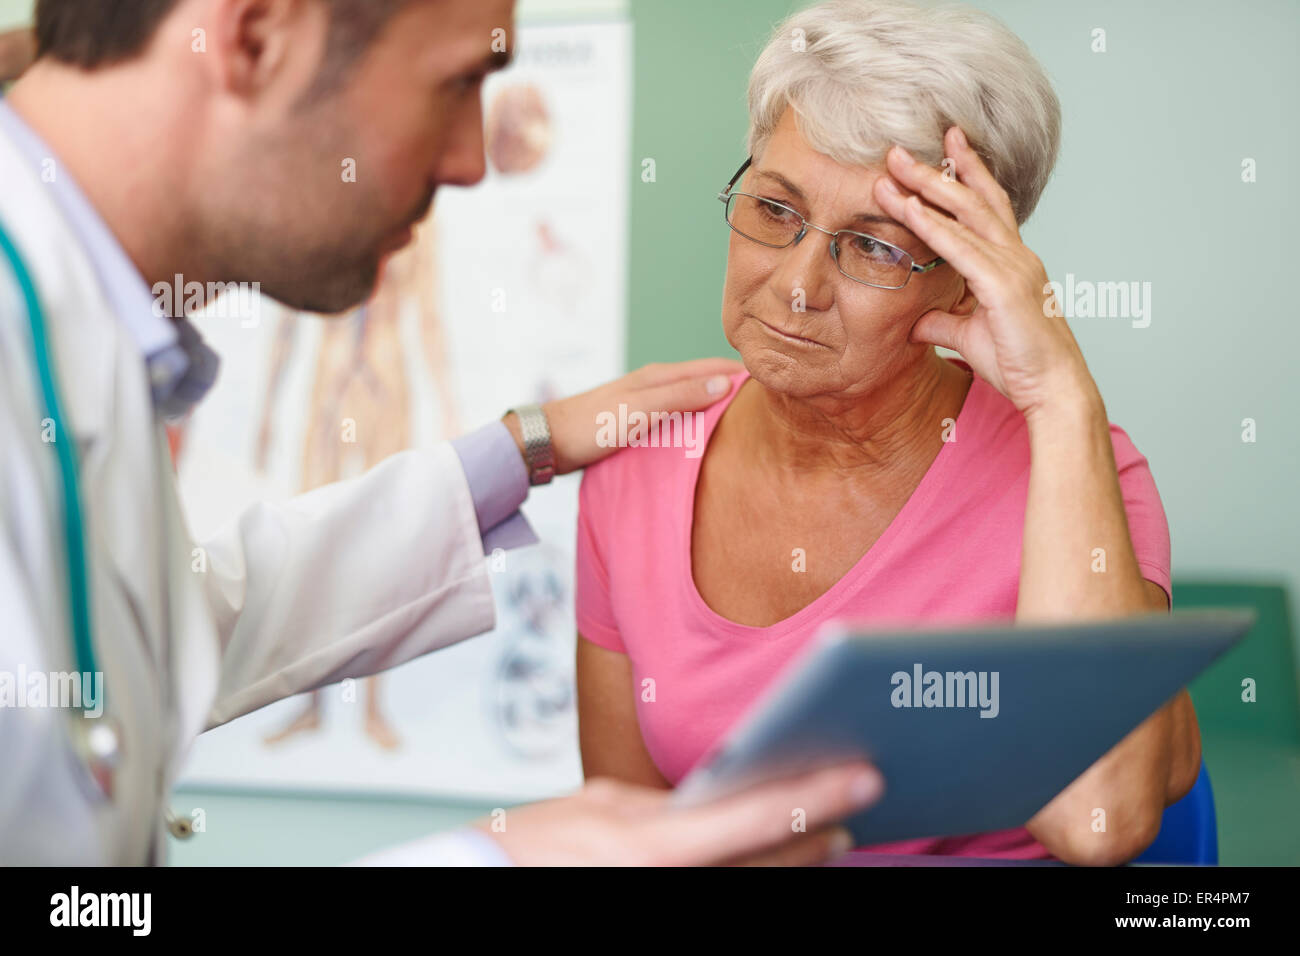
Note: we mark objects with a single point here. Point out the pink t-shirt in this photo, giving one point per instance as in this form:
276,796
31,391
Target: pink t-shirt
952,555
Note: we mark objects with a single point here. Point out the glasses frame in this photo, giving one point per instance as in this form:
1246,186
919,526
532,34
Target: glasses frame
726,195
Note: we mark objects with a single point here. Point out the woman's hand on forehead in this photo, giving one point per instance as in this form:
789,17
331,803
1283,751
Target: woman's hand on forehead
1013,334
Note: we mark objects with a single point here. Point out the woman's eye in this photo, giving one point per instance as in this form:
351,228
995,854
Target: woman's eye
872,248
775,210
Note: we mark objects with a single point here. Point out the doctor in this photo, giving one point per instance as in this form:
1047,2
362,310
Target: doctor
205,138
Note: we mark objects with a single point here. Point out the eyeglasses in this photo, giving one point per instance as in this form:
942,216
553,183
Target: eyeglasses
859,256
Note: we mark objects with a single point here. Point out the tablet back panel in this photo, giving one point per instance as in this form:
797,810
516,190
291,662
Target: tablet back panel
1056,699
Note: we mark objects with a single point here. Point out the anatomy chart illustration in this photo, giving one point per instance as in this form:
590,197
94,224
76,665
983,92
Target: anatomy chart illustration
512,291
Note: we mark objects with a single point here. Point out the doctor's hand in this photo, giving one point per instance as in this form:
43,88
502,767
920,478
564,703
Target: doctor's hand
676,387
609,823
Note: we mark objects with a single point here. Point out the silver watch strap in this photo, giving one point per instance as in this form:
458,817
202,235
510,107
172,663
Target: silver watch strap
539,453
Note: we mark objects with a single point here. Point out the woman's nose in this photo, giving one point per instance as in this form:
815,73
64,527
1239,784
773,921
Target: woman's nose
806,276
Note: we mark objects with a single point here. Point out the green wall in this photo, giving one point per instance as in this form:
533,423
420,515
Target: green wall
15,13
692,65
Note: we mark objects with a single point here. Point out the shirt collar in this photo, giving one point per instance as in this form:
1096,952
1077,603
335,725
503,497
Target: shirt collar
180,365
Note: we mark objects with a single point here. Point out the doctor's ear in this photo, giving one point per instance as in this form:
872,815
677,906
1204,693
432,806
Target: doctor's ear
17,51
260,44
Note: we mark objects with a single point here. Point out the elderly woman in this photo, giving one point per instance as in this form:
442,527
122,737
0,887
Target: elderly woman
853,472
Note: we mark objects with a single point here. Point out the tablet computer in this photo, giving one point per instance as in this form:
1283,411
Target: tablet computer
973,729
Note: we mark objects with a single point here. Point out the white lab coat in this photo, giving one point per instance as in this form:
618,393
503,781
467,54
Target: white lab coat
342,582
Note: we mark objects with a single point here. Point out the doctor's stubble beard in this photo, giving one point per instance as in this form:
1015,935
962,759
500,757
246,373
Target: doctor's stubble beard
313,241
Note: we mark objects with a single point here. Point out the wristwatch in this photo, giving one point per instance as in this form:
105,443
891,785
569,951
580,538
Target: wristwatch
539,453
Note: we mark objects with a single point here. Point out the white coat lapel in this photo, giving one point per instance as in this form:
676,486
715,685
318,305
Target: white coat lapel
104,388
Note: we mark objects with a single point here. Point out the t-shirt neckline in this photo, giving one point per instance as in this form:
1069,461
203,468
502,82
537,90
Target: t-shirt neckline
825,605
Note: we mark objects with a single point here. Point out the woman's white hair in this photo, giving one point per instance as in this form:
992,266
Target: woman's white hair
863,75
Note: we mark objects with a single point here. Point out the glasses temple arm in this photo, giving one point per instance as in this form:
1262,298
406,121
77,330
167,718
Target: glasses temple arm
740,172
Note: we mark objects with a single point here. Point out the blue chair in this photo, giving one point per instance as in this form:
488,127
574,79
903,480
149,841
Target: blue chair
1188,832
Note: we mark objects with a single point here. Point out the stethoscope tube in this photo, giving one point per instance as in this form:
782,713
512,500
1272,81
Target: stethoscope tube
65,447
97,739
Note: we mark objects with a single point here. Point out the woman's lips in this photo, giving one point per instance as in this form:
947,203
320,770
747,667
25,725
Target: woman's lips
788,336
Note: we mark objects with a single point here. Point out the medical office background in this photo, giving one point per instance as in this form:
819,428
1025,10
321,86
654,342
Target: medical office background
1176,173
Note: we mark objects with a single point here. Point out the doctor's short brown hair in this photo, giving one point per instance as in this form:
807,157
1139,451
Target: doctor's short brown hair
94,33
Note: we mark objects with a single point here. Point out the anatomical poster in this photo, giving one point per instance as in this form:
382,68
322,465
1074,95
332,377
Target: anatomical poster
513,291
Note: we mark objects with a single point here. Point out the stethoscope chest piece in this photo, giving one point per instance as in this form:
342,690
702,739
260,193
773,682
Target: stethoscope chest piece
99,747
180,827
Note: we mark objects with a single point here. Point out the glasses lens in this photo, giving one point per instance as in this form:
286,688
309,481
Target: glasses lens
870,260
762,220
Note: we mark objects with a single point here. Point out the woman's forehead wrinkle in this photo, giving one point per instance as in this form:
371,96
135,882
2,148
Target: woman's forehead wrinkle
781,180
865,215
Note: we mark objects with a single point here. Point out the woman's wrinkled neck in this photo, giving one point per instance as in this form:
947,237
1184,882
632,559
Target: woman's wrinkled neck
893,426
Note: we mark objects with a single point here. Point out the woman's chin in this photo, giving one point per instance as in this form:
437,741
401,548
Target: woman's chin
781,372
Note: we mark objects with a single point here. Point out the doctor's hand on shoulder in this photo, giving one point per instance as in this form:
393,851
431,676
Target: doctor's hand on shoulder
609,823
668,387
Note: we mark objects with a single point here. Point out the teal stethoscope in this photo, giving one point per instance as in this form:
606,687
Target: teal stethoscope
97,740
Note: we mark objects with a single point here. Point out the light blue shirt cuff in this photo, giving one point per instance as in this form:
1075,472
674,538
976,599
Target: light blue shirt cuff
498,484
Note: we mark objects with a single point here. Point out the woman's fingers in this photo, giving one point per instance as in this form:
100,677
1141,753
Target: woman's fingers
966,252
949,194
972,171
